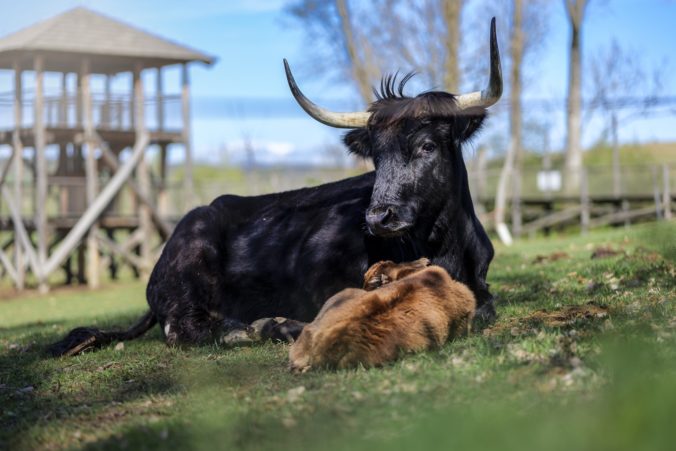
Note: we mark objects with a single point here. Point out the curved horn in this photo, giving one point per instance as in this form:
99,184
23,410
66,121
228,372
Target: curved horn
493,91
331,118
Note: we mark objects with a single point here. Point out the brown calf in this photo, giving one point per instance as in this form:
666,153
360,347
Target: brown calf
403,307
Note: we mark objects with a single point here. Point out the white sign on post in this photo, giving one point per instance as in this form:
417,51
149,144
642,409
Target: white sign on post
549,180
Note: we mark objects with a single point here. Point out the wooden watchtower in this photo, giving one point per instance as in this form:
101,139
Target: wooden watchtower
78,146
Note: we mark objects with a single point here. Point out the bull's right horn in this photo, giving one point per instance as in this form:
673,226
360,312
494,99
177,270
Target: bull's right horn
340,120
493,91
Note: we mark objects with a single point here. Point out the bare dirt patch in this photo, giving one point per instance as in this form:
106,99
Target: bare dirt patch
606,252
553,257
562,317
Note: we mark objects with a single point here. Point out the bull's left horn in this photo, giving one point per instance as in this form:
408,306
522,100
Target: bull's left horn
493,91
331,118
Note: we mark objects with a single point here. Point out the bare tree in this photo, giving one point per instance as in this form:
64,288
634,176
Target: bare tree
339,47
361,65
423,36
575,11
617,73
514,149
452,18
526,33
360,41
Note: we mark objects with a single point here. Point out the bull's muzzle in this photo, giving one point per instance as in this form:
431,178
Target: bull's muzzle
387,220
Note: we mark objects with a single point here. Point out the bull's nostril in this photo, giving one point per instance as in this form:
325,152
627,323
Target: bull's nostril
385,220
386,215
381,217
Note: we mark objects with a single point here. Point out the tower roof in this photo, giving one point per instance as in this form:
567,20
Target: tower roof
110,45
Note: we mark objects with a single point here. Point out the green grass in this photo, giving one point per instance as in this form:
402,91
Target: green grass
601,380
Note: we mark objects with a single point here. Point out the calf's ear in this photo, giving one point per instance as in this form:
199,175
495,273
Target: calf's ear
422,262
358,142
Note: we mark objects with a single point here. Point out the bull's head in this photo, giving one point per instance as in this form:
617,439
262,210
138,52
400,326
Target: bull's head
415,144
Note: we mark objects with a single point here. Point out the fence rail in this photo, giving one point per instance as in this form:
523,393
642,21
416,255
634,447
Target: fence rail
648,191
645,192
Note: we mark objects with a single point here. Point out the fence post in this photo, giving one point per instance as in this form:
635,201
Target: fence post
92,174
625,210
656,194
667,191
584,201
517,219
41,171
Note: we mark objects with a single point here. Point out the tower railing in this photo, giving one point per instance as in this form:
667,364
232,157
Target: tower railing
110,112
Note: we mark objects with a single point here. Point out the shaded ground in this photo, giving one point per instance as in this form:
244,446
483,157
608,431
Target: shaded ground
582,357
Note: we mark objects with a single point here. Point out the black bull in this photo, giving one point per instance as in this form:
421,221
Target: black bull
284,254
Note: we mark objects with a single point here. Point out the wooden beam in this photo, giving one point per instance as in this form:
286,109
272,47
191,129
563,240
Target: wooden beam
158,250
92,175
656,193
111,160
119,116
517,217
552,219
132,102
7,264
126,247
7,244
159,96
162,195
116,249
142,175
584,201
18,169
106,114
22,234
666,191
625,208
162,192
133,240
7,165
78,100
63,104
619,216
41,168
186,135
95,210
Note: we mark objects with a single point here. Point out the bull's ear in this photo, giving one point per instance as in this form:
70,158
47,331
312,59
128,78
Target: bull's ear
468,123
358,142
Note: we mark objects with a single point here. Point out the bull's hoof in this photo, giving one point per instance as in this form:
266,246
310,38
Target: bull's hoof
240,337
278,328
484,316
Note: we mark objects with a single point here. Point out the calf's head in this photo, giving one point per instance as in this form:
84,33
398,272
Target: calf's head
384,272
415,144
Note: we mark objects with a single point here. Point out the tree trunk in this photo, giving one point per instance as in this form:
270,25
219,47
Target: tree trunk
452,11
575,9
617,176
511,167
359,69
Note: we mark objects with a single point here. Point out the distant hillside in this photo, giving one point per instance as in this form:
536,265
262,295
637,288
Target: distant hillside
658,152
213,180
601,155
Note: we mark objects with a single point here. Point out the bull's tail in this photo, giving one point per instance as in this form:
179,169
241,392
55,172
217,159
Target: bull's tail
83,338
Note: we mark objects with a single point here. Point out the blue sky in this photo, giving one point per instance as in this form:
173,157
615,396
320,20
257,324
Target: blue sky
250,38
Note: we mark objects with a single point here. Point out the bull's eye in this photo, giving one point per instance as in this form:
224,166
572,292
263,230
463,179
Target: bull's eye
428,147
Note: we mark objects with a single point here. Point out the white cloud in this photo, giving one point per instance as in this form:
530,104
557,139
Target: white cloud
279,148
264,151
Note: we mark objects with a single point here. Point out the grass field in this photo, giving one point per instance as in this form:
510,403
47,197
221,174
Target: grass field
583,356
